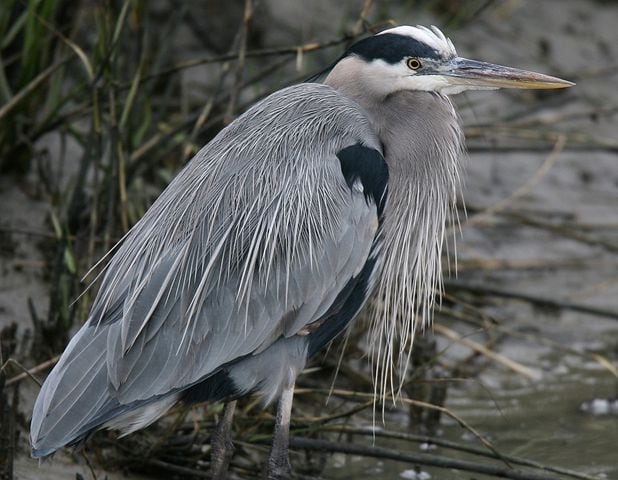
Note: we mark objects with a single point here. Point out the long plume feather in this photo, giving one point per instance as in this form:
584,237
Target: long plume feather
424,181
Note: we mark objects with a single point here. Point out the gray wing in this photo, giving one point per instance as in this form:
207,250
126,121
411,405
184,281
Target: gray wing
252,241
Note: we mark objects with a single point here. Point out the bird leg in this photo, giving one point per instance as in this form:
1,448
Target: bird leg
221,446
278,465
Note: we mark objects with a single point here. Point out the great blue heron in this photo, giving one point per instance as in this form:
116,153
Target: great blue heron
271,240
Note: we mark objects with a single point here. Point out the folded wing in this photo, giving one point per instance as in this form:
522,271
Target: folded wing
253,241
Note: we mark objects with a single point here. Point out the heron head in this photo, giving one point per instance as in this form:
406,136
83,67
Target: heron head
420,58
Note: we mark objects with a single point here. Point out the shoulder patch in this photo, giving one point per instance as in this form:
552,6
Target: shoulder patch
367,165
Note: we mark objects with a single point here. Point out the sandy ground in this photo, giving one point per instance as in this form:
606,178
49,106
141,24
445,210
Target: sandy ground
569,38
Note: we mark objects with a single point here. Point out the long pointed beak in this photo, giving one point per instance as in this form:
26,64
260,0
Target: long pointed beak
489,75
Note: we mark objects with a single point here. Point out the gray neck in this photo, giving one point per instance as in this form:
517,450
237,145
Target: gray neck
422,143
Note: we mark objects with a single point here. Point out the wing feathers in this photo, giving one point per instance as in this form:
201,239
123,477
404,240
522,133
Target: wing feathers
252,240
71,393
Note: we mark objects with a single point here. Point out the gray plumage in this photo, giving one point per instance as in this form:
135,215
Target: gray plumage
272,239
256,246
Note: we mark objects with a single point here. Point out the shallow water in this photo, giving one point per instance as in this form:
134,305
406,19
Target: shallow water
540,421
544,425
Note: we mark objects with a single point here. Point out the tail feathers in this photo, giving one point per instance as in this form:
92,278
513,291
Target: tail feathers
74,395
77,398
142,416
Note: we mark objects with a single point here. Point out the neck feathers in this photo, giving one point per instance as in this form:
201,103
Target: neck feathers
422,144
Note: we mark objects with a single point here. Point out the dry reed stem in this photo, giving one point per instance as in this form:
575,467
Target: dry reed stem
496,357
505,203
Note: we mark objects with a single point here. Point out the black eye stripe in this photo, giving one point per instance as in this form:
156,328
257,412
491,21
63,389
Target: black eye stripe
392,48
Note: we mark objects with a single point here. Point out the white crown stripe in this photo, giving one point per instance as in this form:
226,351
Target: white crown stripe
432,37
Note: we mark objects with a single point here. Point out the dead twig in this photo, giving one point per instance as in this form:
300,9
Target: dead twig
373,432
362,18
473,318
414,458
418,403
240,63
540,301
563,231
264,52
170,467
525,188
33,85
477,347
334,416
29,373
499,264
536,134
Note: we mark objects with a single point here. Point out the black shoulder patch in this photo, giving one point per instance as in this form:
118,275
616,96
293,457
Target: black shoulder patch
391,48
359,162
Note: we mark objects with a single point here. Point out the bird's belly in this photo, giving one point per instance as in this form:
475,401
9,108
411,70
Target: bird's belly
265,374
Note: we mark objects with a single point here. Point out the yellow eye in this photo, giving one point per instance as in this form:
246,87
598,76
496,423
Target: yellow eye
413,63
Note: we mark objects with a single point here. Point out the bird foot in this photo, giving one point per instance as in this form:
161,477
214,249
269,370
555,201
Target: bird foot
278,467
